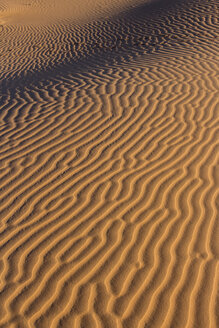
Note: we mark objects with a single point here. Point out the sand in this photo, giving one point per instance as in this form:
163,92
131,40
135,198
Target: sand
109,164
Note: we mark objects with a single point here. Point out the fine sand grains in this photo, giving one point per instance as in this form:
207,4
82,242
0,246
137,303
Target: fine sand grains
109,168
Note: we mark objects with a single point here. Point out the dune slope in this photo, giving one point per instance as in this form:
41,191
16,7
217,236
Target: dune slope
109,166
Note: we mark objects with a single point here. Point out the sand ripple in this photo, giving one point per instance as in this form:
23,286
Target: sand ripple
109,171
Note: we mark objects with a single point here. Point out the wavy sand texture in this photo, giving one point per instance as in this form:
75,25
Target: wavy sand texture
109,166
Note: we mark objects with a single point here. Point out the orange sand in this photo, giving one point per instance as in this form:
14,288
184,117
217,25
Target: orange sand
109,164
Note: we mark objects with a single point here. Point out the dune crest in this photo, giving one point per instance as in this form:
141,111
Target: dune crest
44,12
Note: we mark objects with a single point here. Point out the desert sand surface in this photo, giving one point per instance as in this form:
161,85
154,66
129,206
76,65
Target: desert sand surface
109,172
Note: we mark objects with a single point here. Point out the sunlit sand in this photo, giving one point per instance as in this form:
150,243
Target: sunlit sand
109,164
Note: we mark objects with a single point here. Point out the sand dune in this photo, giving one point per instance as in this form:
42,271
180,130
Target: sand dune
109,164
38,12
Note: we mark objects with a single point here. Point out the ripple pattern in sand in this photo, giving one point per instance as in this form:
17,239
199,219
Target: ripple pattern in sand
109,191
